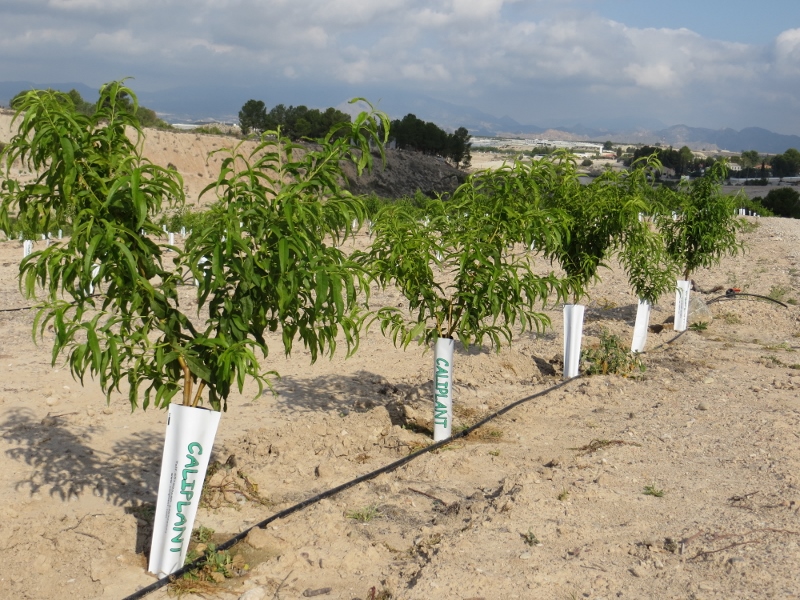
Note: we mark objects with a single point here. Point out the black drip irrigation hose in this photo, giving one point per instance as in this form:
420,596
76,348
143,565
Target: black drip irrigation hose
662,344
32,307
732,295
15,309
333,491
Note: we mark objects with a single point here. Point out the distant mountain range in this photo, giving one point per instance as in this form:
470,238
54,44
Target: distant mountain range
204,104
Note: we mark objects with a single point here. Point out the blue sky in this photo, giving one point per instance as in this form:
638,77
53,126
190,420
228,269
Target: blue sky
702,63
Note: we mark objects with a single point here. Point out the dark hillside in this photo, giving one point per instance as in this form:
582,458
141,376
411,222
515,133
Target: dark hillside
405,173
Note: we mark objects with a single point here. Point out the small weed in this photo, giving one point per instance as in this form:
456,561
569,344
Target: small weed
530,538
772,361
749,226
202,535
699,326
467,413
417,428
652,490
423,545
596,445
606,304
145,512
486,433
731,319
235,488
508,366
795,366
778,292
218,565
365,514
782,346
494,452
611,357
563,495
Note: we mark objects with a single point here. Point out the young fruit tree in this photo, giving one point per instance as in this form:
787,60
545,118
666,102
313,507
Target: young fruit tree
642,251
457,267
598,215
270,267
699,228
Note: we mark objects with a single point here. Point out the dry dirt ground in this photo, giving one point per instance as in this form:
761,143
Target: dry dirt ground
548,501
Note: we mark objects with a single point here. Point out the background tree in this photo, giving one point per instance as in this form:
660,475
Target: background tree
301,122
415,134
685,161
750,161
253,117
460,145
81,106
786,164
784,202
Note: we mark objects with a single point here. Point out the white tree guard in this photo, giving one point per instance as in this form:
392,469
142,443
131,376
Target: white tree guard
640,328
27,248
573,334
682,305
187,448
443,388
203,260
95,273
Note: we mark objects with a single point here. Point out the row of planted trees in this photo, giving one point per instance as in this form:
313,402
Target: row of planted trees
268,259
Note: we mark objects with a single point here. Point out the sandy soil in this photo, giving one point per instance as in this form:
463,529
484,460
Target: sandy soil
523,509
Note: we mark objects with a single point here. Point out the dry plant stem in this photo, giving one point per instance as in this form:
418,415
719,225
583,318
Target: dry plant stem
717,537
704,553
199,393
187,381
427,495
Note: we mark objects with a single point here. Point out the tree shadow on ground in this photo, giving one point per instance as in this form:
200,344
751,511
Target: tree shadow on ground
342,394
65,465
618,313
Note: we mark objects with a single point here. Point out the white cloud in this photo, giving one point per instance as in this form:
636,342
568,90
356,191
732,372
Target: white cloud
787,51
122,41
655,76
502,53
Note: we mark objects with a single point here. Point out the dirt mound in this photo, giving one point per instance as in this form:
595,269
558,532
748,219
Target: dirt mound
405,173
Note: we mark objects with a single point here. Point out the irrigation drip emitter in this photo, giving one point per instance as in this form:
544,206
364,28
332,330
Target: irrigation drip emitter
333,491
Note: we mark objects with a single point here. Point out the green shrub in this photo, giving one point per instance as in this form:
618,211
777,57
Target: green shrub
755,205
610,357
784,202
